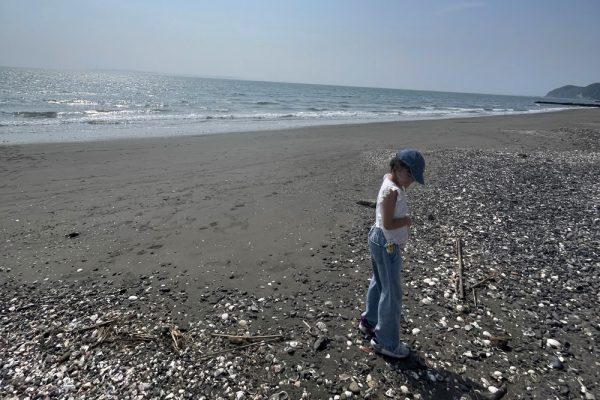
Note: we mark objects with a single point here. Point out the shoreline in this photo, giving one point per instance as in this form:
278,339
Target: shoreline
316,125
260,234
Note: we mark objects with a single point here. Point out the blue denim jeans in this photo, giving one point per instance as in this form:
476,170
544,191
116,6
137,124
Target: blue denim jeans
384,297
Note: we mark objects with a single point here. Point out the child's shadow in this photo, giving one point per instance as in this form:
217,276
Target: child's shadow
438,383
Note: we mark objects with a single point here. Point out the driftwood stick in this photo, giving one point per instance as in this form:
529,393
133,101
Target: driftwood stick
367,203
64,357
481,282
243,337
474,297
175,333
217,353
461,287
310,329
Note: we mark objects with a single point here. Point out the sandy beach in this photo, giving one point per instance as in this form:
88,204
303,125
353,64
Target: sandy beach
259,233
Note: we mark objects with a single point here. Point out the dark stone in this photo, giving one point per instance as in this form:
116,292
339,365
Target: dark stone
556,364
320,343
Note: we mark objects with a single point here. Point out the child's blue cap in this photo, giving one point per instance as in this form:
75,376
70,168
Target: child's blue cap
414,161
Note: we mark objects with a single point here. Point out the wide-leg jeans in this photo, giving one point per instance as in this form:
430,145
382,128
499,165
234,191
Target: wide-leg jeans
384,297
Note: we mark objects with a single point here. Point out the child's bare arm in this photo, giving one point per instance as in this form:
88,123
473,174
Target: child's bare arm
388,208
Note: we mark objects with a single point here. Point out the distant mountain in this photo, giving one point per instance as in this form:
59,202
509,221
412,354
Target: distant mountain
590,92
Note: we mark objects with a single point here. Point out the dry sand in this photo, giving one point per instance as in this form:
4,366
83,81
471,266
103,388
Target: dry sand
260,213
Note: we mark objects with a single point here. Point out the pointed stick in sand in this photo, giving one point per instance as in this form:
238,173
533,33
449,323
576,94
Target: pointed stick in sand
461,287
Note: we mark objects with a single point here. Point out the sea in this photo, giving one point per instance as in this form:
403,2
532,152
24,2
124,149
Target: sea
40,106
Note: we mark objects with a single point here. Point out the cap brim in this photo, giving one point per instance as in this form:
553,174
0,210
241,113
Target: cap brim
419,178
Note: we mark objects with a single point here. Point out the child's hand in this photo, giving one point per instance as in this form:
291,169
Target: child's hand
390,247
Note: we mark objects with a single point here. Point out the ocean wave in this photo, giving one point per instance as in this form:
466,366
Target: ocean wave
103,122
76,102
312,115
91,112
265,103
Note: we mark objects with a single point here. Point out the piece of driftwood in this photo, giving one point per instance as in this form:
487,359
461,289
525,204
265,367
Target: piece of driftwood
218,353
367,203
310,329
461,286
237,339
64,357
177,338
109,333
481,282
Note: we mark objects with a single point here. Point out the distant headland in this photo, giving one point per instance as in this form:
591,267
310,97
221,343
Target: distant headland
590,92
586,96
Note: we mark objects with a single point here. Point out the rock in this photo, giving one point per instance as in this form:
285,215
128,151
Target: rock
320,343
496,393
354,388
500,342
555,344
143,386
556,364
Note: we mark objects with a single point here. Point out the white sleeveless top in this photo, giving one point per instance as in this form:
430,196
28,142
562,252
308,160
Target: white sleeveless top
398,236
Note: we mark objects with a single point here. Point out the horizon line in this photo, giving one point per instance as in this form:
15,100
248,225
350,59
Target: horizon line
233,78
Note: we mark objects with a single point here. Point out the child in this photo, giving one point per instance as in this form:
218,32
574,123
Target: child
381,319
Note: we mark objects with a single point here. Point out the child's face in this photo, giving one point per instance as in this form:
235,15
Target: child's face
403,176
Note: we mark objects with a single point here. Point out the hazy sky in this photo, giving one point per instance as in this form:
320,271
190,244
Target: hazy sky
502,46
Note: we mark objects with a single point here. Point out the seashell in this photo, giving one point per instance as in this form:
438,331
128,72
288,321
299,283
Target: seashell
322,326
555,344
